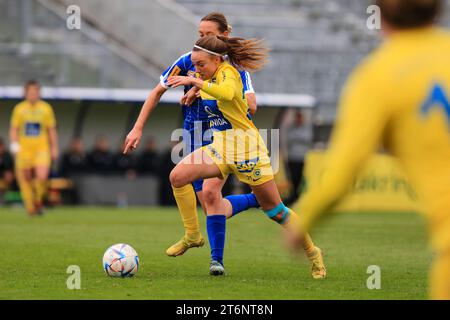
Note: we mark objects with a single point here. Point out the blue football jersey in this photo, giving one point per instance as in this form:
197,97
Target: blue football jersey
183,66
246,81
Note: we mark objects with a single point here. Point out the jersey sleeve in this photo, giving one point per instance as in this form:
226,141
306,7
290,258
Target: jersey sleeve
358,133
225,88
50,120
247,82
178,68
15,117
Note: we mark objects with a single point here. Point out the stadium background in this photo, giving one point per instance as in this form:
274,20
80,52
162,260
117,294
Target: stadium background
315,44
96,79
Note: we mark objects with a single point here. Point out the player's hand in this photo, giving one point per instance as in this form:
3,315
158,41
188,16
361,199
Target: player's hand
132,140
183,100
54,153
176,81
14,148
190,97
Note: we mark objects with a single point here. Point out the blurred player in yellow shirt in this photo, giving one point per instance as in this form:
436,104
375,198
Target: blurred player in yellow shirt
34,141
398,98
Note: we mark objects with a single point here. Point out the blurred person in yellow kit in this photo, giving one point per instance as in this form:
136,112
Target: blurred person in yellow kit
398,98
34,142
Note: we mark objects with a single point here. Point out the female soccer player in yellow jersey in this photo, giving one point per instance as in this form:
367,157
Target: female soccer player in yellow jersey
196,125
399,97
34,141
237,146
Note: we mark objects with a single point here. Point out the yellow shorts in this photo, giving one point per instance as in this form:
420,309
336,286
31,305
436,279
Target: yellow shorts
252,170
27,159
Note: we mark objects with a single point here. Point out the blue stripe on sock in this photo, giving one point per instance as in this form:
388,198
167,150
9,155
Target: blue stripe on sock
215,226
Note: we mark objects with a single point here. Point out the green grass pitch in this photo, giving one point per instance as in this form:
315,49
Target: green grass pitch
36,252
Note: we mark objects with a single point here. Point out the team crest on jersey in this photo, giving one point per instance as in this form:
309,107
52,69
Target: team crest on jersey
247,166
256,175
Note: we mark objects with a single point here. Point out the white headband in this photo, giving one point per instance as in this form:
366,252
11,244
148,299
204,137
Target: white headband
208,51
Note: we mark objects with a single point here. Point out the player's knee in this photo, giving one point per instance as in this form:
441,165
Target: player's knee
278,214
177,178
41,178
25,177
174,179
211,196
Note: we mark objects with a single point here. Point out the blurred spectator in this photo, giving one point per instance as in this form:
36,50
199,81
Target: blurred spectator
299,141
148,161
100,160
124,164
74,161
6,165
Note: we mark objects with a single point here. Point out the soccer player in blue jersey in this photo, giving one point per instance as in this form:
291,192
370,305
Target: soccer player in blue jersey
196,125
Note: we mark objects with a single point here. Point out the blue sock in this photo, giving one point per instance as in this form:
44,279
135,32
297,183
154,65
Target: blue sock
242,202
216,235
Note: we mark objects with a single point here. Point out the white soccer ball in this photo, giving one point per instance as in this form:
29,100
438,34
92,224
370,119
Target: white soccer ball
120,260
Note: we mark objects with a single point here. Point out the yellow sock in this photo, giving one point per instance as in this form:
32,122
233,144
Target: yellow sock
187,205
26,191
308,245
293,225
41,190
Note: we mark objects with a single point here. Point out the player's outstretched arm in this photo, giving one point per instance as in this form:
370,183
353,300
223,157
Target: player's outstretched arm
14,140
14,132
223,91
134,136
362,119
53,137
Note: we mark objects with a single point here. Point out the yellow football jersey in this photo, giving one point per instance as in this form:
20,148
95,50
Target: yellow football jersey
224,100
237,144
398,98
33,122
